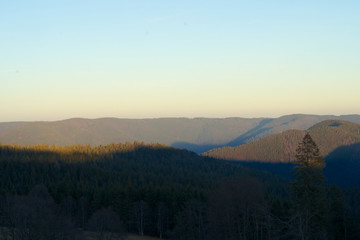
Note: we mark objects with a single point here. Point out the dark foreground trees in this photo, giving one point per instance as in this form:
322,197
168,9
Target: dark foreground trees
139,217
34,216
37,216
163,192
309,192
191,222
237,210
106,225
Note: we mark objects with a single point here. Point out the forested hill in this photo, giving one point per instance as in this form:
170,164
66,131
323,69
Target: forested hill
281,147
122,177
198,134
111,166
78,170
56,192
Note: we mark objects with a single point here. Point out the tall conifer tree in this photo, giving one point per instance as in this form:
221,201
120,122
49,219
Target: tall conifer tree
309,191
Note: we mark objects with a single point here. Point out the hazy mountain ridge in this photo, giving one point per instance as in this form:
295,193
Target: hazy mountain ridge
106,130
197,134
281,147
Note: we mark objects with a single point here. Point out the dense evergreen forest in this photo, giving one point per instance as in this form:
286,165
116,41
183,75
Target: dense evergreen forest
62,192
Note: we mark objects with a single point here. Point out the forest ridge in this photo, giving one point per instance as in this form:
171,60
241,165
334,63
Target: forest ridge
197,134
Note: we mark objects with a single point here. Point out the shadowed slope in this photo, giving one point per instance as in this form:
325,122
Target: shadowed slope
343,165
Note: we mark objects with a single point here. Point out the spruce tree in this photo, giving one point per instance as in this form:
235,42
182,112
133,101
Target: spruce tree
309,191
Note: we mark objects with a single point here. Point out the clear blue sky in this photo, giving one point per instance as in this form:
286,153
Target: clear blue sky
135,59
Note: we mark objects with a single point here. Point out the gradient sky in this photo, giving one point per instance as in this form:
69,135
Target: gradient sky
144,59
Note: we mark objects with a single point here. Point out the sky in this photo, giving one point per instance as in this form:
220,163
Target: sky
179,58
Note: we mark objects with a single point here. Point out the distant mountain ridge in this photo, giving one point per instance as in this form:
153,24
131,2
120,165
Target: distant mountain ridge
281,147
197,134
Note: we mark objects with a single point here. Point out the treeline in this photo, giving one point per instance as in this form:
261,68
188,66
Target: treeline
54,192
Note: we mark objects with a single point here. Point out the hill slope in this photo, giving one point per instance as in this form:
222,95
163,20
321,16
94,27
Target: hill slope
198,134
281,147
119,176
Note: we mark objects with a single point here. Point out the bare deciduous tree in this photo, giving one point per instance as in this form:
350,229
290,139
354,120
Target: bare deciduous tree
237,210
139,216
191,222
106,224
162,219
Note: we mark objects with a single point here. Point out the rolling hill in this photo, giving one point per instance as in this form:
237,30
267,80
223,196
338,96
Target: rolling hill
281,147
338,141
198,134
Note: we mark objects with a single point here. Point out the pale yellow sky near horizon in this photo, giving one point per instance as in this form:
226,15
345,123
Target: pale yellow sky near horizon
203,59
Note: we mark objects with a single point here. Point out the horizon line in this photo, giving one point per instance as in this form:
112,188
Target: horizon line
174,117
